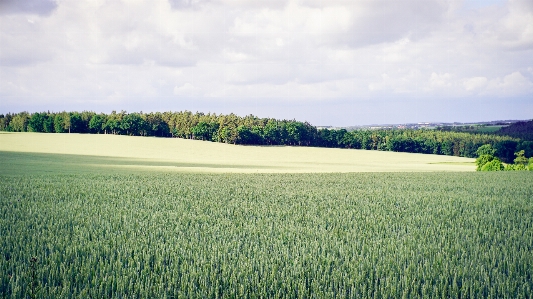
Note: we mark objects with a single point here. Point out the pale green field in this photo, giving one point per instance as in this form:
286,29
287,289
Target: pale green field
50,152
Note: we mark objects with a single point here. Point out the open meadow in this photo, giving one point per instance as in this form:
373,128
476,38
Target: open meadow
97,153
85,216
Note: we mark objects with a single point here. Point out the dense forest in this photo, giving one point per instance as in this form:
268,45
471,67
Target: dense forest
522,130
251,130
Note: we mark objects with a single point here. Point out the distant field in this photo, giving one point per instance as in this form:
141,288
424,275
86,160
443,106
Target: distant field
489,129
110,153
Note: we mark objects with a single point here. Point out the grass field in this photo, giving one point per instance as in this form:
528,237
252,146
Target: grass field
102,220
185,235
95,153
489,129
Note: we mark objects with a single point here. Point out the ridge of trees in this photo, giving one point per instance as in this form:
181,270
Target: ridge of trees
522,130
251,130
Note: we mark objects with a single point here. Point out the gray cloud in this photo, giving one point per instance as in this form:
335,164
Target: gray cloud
387,21
41,7
187,4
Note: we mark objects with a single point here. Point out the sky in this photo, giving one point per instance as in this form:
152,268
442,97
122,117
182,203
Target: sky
328,62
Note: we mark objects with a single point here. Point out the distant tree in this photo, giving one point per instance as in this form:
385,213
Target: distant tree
486,149
505,150
86,117
156,124
36,122
271,132
97,123
244,135
113,122
201,131
527,146
133,124
65,116
76,123
227,135
48,123
520,159
59,123
19,122
258,134
4,122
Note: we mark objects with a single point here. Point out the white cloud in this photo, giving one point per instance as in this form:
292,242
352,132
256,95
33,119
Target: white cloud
512,84
475,83
437,81
186,89
255,51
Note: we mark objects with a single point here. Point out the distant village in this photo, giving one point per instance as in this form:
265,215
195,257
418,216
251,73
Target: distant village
422,125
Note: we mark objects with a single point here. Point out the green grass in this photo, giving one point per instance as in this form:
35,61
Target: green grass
489,129
132,217
89,152
185,235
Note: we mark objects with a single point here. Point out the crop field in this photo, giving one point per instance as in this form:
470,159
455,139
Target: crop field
93,153
180,235
72,228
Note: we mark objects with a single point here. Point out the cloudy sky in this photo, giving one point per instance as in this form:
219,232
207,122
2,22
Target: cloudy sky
330,62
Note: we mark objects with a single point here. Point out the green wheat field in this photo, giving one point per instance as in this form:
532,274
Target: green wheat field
101,216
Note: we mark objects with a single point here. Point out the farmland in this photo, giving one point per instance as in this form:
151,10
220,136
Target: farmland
136,229
61,153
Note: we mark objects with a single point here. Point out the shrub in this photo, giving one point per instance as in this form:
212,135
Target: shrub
494,165
482,160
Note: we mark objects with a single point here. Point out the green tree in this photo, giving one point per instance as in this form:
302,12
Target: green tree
62,123
75,124
482,160
19,122
48,123
4,122
97,123
505,150
133,124
485,149
201,131
520,158
527,146
58,123
494,165
36,122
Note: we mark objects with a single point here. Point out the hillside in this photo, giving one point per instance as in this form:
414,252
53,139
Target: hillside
93,153
522,130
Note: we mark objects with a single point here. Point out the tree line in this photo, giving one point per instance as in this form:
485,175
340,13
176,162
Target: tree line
521,129
251,130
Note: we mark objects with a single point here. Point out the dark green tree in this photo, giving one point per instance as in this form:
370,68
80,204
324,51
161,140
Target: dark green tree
59,123
505,150
48,123
485,149
133,124
97,123
36,122
76,123
202,131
